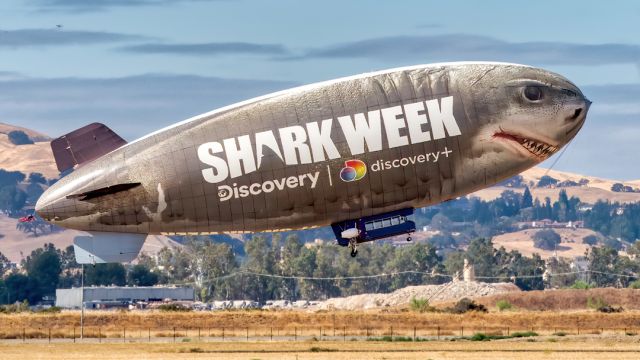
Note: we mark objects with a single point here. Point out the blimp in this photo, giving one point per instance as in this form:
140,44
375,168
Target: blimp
358,154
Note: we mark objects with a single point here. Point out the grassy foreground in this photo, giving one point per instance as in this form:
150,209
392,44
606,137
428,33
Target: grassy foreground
261,323
566,349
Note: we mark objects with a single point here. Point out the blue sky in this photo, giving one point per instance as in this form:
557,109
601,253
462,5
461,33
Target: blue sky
139,65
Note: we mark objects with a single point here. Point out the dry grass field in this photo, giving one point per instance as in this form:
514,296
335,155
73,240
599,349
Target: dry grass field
540,348
261,324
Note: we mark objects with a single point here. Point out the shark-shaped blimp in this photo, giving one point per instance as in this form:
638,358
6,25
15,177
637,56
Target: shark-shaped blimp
358,153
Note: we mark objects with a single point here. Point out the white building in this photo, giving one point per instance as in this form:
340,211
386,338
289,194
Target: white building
71,298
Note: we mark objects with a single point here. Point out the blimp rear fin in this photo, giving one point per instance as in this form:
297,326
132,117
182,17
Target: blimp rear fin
107,247
84,145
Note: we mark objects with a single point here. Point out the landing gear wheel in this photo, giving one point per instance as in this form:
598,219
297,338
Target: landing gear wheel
353,245
409,238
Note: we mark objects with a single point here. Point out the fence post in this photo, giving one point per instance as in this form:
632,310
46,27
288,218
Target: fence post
74,334
507,331
174,334
247,334
99,335
461,330
23,335
272,334
367,328
320,333
222,334
124,334
414,333
49,335
438,334
392,333
295,333
149,333
344,333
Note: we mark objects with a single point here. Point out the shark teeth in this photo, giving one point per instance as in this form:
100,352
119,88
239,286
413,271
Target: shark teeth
535,147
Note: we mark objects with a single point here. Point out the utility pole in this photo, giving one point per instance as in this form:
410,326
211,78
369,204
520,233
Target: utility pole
82,303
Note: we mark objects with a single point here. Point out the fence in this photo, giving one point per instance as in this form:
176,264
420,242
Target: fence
293,333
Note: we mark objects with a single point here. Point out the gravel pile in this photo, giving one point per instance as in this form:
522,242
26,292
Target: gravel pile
451,291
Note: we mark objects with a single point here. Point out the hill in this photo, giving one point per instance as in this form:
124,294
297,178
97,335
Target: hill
16,245
570,246
36,157
35,136
595,188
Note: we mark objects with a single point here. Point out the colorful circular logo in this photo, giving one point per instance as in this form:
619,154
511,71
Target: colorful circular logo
353,170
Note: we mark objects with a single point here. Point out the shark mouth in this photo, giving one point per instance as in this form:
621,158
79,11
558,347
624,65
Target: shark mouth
537,148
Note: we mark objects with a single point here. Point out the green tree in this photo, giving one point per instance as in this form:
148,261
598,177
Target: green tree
260,260
140,275
12,198
590,240
209,263
546,239
105,274
527,199
43,267
19,137
20,287
480,253
5,265
603,263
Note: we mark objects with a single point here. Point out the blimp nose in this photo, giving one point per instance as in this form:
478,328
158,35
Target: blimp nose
44,207
579,112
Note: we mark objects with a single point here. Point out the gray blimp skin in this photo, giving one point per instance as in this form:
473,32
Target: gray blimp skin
326,153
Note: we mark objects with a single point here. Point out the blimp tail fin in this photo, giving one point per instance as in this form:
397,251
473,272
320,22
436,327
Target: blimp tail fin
84,145
107,247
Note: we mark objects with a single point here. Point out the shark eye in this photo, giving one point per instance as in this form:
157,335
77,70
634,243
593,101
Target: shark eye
533,93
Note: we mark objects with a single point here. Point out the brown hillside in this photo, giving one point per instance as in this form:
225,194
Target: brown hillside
570,246
33,135
16,245
30,158
596,189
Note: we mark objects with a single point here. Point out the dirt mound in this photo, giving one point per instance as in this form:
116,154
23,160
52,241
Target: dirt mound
451,291
566,299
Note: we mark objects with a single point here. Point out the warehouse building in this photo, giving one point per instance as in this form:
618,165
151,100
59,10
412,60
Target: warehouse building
72,298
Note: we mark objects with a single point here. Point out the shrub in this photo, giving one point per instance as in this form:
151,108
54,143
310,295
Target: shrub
17,307
524,334
590,240
503,305
465,305
560,333
546,181
602,306
173,307
581,285
420,305
487,337
50,310
634,284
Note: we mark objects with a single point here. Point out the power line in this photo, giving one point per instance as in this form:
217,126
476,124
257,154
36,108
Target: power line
398,273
